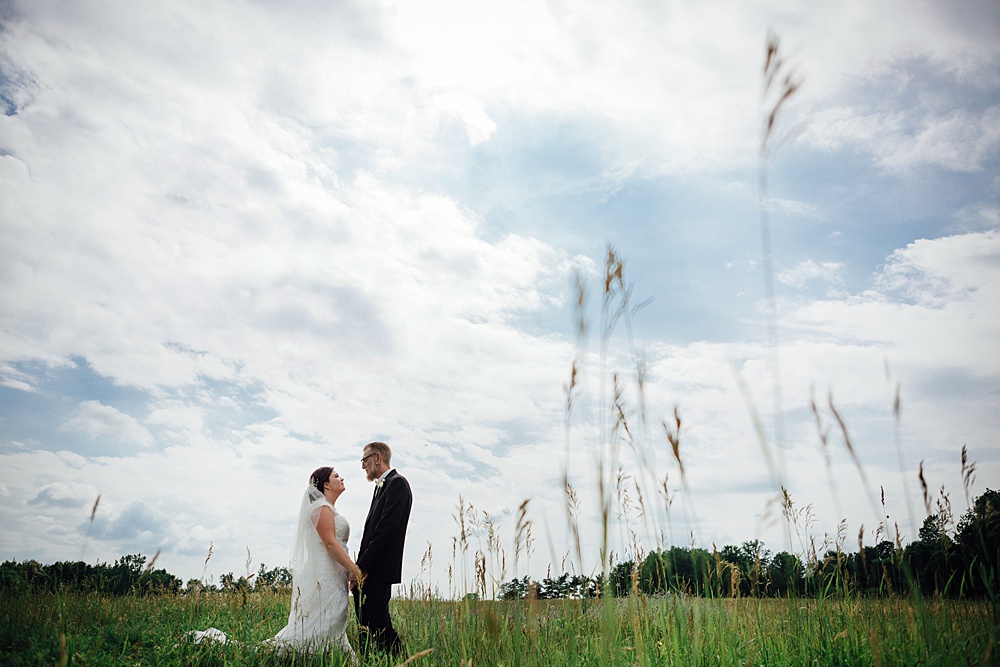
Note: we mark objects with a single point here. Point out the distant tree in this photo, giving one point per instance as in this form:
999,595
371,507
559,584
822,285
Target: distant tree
785,575
654,573
931,558
889,558
682,570
126,576
554,588
747,565
978,541
866,571
12,579
621,578
702,567
275,579
157,582
515,589
581,586
832,574
122,577
230,583
74,575
759,560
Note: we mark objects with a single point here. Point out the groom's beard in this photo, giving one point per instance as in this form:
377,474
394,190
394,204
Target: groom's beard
372,476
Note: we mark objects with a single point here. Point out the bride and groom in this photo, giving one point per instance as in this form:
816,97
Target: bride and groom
324,576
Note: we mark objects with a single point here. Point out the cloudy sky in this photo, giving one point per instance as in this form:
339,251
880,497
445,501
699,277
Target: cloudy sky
242,239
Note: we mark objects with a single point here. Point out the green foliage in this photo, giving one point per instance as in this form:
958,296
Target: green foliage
127,576
978,545
515,589
275,579
139,630
678,570
963,565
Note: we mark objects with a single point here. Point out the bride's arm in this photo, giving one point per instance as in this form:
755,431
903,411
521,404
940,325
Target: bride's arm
327,529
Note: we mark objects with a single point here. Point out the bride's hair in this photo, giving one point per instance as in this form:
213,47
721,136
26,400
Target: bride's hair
320,477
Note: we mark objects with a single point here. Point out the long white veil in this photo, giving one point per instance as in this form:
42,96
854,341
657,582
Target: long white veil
304,560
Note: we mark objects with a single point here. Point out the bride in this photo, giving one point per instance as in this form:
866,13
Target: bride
321,574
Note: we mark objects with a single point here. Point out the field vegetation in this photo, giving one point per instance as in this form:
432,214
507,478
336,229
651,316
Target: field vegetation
78,628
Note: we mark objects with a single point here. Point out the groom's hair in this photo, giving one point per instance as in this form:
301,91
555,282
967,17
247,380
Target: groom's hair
320,477
382,449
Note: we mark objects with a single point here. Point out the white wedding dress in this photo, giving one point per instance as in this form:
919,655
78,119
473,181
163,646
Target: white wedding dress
320,588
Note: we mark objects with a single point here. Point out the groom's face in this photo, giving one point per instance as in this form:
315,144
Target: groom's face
369,462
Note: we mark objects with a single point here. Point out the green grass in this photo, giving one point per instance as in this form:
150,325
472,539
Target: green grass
633,631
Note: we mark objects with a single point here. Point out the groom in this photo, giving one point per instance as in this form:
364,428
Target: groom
381,554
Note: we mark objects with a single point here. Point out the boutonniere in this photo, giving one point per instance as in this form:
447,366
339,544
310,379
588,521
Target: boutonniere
379,483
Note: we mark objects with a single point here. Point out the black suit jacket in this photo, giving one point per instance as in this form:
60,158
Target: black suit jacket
381,552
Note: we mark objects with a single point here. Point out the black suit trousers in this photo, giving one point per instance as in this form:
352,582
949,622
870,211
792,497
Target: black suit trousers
372,608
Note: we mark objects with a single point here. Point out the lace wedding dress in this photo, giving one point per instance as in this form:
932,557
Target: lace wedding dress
320,594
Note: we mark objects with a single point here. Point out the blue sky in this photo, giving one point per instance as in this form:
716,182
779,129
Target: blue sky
240,241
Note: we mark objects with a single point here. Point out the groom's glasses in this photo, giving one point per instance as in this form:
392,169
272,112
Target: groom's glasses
365,458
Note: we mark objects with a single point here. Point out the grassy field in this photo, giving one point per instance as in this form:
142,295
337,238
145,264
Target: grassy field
81,629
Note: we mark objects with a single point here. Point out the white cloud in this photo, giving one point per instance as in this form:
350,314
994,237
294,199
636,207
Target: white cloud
478,125
138,522
808,271
978,217
98,421
793,208
950,270
935,305
15,379
957,140
922,127
64,495
189,419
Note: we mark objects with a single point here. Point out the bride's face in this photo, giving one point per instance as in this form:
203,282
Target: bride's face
335,483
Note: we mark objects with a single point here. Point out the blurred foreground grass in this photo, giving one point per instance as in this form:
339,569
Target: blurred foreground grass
637,630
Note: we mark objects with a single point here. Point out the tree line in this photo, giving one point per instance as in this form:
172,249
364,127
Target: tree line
958,561
129,575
